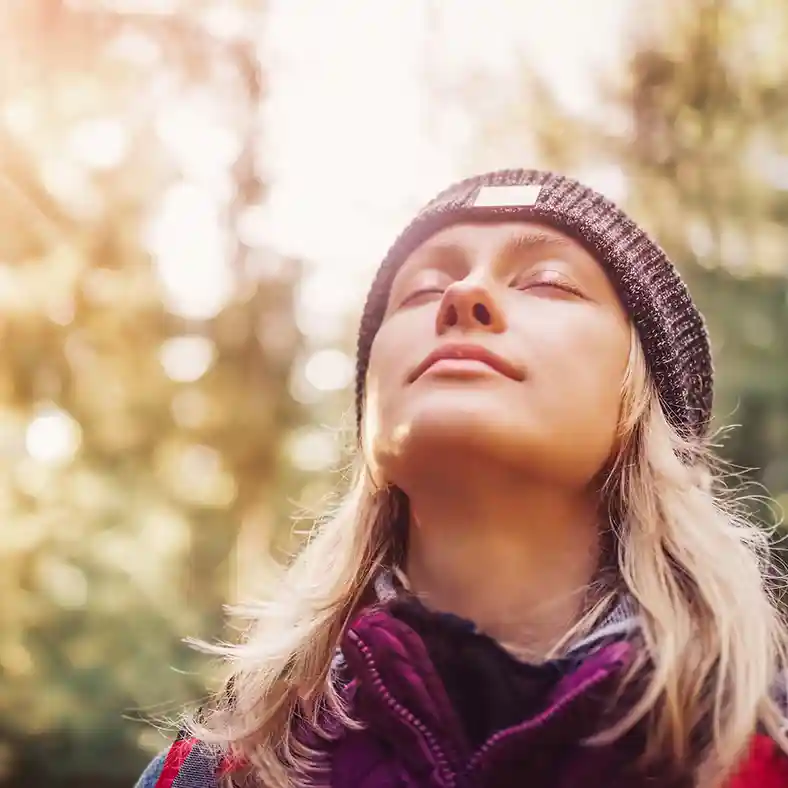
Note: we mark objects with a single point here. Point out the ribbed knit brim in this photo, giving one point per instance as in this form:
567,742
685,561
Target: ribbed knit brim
672,331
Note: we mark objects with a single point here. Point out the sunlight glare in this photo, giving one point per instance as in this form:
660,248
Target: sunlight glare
186,359
135,47
225,21
329,370
390,150
251,226
202,146
322,304
20,116
608,179
314,450
53,437
69,183
189,247
196,474
99,144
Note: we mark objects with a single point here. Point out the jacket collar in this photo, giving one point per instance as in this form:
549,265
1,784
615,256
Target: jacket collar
620,623
394,687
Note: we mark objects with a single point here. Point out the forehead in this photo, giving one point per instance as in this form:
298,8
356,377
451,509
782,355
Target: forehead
488,235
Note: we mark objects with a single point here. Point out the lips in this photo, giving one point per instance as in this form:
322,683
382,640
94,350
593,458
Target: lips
467,352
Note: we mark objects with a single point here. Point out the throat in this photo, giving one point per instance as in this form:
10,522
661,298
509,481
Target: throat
523,584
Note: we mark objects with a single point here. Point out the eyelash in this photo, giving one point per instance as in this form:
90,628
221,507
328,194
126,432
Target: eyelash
555,282
418,293
558,284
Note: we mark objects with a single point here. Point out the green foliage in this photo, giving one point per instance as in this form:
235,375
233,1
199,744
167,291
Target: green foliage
149,339
707,99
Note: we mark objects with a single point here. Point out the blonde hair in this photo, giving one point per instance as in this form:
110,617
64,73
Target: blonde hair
686,553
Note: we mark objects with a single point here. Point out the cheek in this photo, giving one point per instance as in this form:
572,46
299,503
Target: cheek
399,345
584,362
379,400
578,379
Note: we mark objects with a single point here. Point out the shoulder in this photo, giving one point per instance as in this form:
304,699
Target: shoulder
188,763
150,776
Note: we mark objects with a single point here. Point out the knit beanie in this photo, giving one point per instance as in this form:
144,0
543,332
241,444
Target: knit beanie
671,329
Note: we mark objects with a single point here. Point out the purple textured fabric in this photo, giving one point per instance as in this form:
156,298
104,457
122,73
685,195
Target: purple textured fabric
413,736
444,706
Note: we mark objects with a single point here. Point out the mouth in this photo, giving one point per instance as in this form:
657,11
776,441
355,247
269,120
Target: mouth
460,356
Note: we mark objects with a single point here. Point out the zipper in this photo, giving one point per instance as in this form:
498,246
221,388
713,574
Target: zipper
476,763
438,753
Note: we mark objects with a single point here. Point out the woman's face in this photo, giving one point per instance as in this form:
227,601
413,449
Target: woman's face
503,340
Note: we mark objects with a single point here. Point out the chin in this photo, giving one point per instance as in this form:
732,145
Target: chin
464,436
474,425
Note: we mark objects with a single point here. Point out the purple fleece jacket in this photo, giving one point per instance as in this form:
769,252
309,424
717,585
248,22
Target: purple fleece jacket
445,707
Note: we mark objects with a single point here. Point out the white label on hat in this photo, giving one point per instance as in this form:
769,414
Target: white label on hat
499,196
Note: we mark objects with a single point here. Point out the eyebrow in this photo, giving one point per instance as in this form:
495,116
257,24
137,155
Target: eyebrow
533,242
525,242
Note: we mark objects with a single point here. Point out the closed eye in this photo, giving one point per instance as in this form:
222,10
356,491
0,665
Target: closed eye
421,295
553,282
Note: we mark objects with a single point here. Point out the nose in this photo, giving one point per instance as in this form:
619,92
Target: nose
468,306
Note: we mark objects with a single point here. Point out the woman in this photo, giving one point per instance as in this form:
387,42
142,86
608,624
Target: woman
534,578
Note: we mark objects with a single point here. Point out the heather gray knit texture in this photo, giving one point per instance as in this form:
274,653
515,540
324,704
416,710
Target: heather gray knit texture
197,770
671,329
150,776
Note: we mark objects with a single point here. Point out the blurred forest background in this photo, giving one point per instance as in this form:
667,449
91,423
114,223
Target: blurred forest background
166,378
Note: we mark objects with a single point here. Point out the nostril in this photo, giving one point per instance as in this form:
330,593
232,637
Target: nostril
450,318
482,314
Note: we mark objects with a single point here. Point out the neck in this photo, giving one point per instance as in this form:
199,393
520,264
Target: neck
517,559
